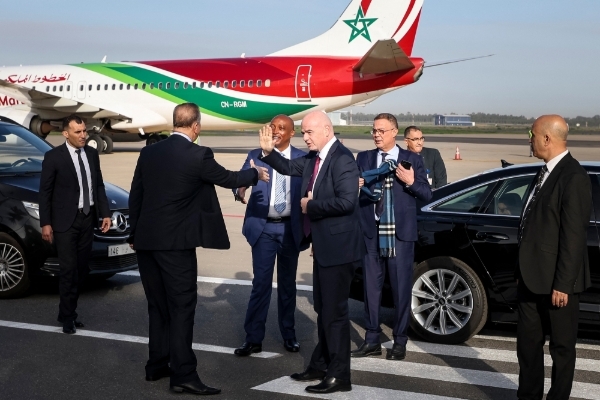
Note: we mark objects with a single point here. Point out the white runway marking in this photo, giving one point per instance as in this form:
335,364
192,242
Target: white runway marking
124,338
460,375
584,344
286,385
479,353
224,281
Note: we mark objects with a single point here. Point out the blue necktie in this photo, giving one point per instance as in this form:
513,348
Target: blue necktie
280,192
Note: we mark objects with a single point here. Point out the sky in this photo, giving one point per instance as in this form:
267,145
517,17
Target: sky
546,52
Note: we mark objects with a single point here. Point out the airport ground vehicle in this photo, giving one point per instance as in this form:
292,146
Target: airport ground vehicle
466,255
23,254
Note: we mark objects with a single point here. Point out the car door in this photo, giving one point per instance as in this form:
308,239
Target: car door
589,301
493,234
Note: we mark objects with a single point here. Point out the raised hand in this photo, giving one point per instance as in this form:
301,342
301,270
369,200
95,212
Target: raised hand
405,175
266,139
263,173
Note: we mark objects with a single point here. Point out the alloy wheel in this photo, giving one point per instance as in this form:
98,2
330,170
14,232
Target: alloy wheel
12,267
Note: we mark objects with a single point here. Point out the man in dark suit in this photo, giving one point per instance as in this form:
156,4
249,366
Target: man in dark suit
174,209
72,200
553,265
330,207
397,255
432,159
273,227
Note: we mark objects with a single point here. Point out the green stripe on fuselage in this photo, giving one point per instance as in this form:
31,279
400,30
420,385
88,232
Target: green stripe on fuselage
215,104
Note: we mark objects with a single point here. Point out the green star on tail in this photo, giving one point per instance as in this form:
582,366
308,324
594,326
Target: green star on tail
364,23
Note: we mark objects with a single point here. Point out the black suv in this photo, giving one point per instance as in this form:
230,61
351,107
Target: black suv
23,254
466,255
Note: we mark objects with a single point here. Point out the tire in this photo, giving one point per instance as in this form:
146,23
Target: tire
108,144
96,142
455,316
154,138
14,275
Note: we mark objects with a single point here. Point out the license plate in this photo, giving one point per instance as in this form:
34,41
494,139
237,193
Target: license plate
119,250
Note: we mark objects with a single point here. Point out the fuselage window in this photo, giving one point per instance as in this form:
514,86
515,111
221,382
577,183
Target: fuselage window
98,87
226,84
218,83
61,89
258,83
106,87
242,84
193,85
80,88
90,88
47,88
135,87
201,85
176,86
160,85
54,88
233,84
209,85
121,86
185,85
114,86
168,85
151,85
268,83
250,83
33,88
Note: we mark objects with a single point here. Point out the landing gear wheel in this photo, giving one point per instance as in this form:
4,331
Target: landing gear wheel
108,143
449,304
154,138
14,277
96,142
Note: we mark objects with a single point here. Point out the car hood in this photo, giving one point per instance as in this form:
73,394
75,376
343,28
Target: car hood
26,188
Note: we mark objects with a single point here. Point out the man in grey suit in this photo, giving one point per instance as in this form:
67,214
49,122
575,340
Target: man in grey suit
434,165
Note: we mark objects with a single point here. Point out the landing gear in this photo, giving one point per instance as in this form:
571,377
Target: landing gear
108,144
96,142
154,138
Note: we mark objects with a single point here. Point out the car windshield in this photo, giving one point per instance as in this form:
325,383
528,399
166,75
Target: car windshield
21,151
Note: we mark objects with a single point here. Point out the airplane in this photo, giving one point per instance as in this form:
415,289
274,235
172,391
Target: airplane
366,53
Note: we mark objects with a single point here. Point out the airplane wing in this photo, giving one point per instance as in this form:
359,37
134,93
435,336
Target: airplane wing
384,56
48,101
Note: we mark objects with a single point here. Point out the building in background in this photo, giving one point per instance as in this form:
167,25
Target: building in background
453,120
336,118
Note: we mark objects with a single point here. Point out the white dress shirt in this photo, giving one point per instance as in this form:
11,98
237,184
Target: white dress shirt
550,165
287,153
322,155
86,165
182,134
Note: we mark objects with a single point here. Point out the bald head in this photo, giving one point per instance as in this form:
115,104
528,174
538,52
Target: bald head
549,136
317,130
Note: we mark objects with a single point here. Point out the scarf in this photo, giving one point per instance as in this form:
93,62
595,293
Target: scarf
384,178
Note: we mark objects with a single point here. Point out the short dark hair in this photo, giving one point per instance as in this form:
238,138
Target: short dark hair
389,117
67,120
184,115
411,128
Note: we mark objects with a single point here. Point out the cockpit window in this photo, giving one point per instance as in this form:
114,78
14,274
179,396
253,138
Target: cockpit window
21,151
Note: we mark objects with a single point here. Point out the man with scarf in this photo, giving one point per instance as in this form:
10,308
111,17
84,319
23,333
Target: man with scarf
388,218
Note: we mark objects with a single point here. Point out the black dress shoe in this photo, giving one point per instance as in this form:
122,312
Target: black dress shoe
79,324
311,374
330,385
69,328
291,345
159,373
195,387
366,350
247,349
398,352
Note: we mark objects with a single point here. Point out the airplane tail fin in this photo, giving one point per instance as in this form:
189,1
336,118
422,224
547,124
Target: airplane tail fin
361,25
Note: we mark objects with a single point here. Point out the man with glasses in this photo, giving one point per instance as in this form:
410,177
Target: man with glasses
434,165
388,218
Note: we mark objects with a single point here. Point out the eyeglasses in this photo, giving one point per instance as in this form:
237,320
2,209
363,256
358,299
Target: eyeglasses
417,139
380,131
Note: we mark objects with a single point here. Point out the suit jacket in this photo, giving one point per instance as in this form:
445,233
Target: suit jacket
59,188
405,204
257,209
173,203
553,251
333,211
432,159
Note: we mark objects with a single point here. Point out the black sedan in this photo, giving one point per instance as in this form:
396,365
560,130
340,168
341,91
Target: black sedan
23,254
466,256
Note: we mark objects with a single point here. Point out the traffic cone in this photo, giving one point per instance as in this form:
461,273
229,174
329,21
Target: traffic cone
457,154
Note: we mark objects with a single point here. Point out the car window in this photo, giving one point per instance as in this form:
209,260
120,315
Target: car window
468,202
20,150
510,197
596,197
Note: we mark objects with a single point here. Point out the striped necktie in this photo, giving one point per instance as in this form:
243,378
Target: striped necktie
536,189
280,191
379,204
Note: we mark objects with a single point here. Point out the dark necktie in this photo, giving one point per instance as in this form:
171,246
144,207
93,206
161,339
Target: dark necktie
84,183
379,204
309,188
536,190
